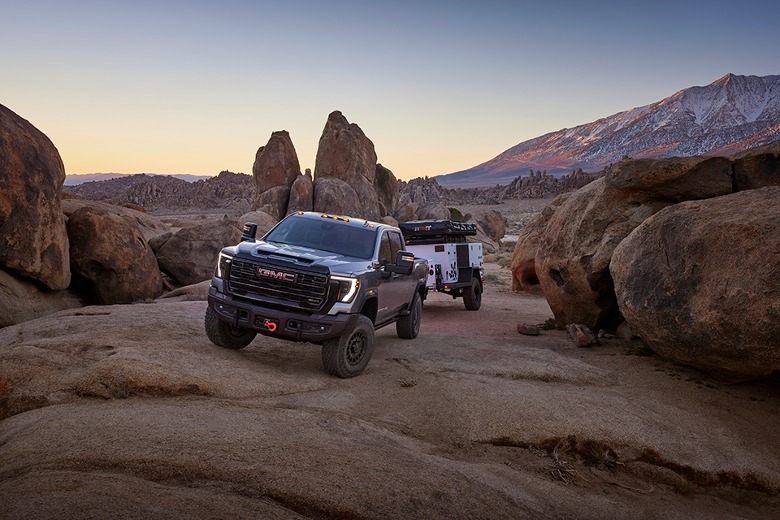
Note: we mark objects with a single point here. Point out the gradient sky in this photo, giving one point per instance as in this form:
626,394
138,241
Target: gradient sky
197,86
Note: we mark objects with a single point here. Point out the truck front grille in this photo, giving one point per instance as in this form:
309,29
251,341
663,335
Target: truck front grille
281,285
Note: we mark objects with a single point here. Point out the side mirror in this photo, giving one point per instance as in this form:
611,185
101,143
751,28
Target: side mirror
404,263
249,233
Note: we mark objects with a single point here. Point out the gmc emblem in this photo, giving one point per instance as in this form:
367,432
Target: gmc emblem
277,275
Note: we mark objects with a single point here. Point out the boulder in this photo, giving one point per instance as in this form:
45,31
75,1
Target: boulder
112,257
276,163
524,277
433,212
572,262
274,201
345,152
700,283
190,255
488,244
757,167
387,189
22,300
492,222
263,220
387,219
150,226
157,242
332,195
301,194
406,212
32,227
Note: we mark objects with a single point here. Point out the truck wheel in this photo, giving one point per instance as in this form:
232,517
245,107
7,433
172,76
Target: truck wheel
226,335
472,296
409,326
348,355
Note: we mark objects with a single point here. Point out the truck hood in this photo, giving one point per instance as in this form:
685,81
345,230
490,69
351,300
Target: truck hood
303,256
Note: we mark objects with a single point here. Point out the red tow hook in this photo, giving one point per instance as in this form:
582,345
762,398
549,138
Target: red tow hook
270,325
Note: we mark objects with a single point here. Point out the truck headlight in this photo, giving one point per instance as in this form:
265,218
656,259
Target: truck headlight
348,287
222,262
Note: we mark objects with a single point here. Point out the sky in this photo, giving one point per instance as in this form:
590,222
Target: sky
197,86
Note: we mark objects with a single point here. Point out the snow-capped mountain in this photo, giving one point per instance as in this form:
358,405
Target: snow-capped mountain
732,114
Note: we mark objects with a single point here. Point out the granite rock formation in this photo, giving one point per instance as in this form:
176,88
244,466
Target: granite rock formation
301,193
275,170
347,179
700,282
111,255
575,249
32,227
190,255
524,277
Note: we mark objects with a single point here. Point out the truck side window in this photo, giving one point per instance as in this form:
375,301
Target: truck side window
385,255
396,244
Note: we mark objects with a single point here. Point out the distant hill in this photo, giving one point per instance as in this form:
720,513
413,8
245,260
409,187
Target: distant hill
73,180
227,190
731,114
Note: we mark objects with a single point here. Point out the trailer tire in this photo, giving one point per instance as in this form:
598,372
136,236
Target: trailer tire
472,296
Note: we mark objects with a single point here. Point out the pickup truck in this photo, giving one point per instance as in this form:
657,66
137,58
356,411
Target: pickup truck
326,279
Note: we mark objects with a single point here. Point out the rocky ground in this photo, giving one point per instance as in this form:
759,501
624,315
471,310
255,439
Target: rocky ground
129,411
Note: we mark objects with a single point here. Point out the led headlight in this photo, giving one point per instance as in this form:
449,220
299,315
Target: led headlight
348,287
222,262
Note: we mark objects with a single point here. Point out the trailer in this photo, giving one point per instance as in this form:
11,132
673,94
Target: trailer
455,266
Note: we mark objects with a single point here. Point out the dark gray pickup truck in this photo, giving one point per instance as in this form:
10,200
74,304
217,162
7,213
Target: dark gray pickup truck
326,279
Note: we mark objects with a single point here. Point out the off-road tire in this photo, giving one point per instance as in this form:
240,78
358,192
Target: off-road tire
472,296
226,335
348,355
408,326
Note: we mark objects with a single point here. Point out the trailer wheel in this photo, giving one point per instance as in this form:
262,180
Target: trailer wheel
472,296
226,335
348,355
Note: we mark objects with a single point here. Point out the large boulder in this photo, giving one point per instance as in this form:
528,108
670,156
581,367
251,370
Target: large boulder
387,189
150,227
263,220
406,212
345,154
700,282
524,277
757,167
433,212
575,250
32,227
22,300
112,257
276,163
335,196
274,201
492,222
190,255
301,194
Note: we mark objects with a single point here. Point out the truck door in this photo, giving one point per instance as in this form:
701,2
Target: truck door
394,290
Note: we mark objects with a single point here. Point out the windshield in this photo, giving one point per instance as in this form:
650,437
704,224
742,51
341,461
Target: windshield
325,235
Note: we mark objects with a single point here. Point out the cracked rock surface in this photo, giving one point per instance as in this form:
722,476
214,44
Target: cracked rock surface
128,411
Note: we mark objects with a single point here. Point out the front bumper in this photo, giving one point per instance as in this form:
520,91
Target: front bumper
295,326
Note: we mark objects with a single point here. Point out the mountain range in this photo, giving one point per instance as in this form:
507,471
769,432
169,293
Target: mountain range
81,178
727,116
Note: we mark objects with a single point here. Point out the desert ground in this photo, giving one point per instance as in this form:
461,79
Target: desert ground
129,411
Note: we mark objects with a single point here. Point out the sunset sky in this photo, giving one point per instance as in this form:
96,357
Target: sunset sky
197,86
